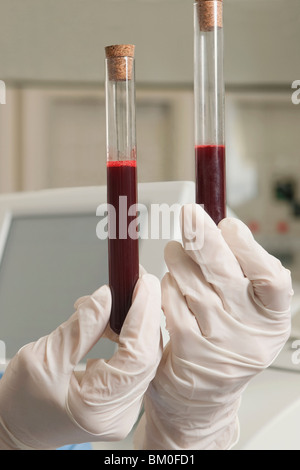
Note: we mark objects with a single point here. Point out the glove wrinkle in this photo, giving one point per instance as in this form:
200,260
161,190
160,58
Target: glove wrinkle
47,404
222,303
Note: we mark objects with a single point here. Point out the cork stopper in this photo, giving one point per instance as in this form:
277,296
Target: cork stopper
120,63
210,14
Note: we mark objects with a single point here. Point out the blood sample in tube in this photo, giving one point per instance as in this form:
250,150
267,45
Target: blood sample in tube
209,94
122,188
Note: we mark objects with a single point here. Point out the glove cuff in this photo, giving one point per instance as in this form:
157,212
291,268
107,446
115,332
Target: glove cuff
159,432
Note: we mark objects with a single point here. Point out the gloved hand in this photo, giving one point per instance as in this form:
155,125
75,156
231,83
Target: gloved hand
227,308
44,404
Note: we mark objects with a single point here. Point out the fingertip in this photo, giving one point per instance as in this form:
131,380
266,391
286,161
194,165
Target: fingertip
88,323
80,301
103,297
166,287
238,236
150,279
142,270
170,249
196,227
147,284
235,226
195,213
271,281
192,209
102,292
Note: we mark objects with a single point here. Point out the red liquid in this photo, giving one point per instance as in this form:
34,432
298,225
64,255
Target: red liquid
211,180
123,254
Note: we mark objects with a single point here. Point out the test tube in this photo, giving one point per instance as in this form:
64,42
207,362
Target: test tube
209,92
123,249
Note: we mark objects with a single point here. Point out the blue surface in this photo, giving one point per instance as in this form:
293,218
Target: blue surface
77,447
86,446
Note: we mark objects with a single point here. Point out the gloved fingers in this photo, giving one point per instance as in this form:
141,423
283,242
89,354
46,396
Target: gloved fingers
211,253
271,281
181,324
188,293
199,295
109,333
134,364
140,337
71,341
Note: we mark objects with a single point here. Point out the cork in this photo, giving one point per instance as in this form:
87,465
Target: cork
120,61
208,20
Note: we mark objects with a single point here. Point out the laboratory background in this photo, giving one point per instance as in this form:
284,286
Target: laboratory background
53,135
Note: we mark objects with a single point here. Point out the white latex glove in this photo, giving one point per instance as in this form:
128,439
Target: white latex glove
227,308
44,404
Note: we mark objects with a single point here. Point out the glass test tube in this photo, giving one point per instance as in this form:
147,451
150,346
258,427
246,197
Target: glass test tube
209,92
123,249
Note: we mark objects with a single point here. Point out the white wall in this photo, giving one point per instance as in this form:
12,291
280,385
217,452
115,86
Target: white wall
63,40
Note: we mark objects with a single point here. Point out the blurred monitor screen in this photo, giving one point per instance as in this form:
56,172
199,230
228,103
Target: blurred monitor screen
48,262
